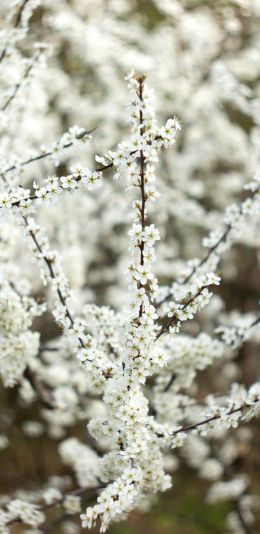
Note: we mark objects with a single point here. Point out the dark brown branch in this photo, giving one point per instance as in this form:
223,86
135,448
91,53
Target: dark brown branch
168,385
188,428
16,24
42,393
142,181
48,349
255,322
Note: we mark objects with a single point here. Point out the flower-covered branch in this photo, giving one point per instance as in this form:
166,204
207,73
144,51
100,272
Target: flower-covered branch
198,297
55,275
20,16
67,140
115,382
224,416
220,240
27,73
19,511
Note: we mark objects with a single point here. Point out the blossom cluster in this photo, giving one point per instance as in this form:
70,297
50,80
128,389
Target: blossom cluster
54,151
18,310
119,497
114,366
26,512
21,11
194,300
20,200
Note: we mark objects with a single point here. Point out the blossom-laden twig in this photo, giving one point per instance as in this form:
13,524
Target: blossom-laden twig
30,64
20,16
95,361
19,345
220,240
241,406
233,336
192,354
119,352
198,297
54,151
20,199
20,511
222,415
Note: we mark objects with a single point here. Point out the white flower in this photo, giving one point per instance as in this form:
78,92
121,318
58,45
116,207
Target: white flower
151,193
174,309
5,201
91,179
150,314
51,495
137,142
120,157
27,512
151,234
143,274
72,504
136,232
212,279
68,182
211,469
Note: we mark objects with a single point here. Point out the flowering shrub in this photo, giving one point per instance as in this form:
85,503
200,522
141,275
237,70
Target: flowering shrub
124,358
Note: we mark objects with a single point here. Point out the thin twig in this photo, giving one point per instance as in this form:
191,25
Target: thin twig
173,320
16,24
46,506
173,376
48,263
18,85
222,239
43,394
142,182
48,153
188,428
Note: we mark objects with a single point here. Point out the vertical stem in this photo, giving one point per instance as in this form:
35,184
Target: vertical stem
142,181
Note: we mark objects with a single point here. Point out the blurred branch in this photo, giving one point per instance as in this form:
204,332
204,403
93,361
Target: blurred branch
16,24
42,393
49,153
59,501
